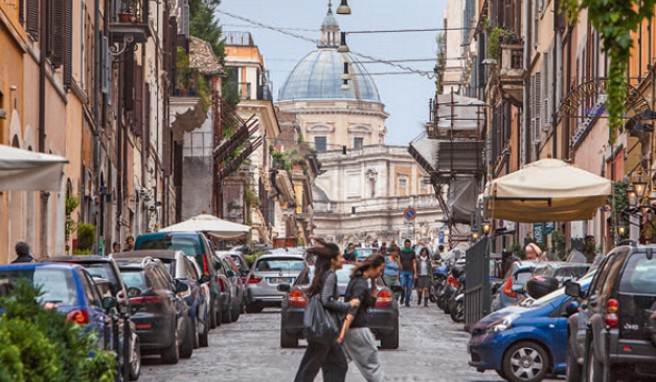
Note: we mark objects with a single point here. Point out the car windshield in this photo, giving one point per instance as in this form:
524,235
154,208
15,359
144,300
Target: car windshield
135,278
56,285
343,276
640,275
364,252
103,271
280,264
188,246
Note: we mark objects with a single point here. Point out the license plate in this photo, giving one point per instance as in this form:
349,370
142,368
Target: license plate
279,280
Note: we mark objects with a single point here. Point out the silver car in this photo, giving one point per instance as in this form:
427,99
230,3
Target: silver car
266,273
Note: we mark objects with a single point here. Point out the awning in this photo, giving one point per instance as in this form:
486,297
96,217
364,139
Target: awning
547,190
219,228
424,152
22,170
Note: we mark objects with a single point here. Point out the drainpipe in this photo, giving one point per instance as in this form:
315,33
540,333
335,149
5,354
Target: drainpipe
43,234
554,68
527,84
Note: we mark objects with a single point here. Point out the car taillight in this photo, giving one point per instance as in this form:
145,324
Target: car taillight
146,300
297,298
120,297
507,289
222,285
78,316
206,265
611,318
254,280
384,298
452,281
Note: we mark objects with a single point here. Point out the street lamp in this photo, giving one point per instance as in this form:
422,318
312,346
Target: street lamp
639,183
343,48
344,8
621,230
632,196
345,85
475,236
346,76
487,227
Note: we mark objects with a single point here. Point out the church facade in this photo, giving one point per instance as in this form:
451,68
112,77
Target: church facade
365,186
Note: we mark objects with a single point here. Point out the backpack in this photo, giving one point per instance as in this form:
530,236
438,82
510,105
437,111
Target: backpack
319,325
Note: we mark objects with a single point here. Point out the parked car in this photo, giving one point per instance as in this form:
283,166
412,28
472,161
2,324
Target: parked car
68,288
196,245
242,265
266,274
514,285
383,318
161,316
233,274
105,268
551,275
616,311
229,290
363,253
183,268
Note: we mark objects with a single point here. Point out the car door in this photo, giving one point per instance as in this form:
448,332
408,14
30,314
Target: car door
98,318
233,276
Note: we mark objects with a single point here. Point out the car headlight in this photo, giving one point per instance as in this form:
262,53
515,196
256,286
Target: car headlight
502,325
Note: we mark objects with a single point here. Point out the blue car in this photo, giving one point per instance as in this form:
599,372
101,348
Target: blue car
526,342
69,289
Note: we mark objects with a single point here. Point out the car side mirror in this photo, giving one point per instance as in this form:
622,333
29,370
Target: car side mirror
573,289
518,288
284,288
180,287
204,279
571,308
230,273
109,303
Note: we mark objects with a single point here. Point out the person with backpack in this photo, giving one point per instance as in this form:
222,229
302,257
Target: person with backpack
328,357
359,342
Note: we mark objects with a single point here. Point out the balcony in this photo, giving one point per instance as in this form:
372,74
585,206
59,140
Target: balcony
191,83
129,22
250,91
511,72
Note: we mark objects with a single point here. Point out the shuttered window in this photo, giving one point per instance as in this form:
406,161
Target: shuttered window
138,100
546,85
32,18
535,105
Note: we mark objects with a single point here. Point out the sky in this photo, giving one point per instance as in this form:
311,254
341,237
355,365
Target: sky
405,96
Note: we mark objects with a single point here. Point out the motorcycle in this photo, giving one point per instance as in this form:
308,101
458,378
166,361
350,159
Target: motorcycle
457,307
451,287
440,273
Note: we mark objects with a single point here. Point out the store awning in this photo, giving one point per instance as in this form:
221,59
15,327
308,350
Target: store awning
23,170
219,228
547,190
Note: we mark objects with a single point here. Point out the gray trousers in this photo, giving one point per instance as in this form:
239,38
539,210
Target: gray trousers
360,346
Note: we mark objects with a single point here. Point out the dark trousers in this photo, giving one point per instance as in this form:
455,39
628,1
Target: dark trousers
329,358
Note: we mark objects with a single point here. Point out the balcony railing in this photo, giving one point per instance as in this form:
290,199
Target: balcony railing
511,73
247,91
129,21
190,83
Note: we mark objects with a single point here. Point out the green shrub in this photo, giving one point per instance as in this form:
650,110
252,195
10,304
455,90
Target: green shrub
86,236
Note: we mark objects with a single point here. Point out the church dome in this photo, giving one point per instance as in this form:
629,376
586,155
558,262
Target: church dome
318,77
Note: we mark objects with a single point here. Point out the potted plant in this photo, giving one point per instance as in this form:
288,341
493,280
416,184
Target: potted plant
127,13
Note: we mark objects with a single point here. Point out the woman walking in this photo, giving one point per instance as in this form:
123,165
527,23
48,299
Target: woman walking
329,358
359,342
392,270
425,279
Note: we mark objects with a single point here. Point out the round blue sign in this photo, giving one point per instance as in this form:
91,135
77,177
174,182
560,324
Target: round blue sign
410,214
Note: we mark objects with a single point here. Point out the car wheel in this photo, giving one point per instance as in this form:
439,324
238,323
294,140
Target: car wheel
457,311
288,341
135,365
187,346
391,340
501,374
594,370
171,354
203,338
252,308
525,362
194,324
574,370
227,315
236,312
243,305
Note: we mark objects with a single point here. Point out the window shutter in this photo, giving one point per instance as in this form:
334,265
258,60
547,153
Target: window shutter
138,100
105,73
128,82
184,20
56,31
67,43
546,84
536,106
32,19
146,134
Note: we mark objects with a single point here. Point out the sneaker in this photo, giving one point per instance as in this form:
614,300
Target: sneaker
407,304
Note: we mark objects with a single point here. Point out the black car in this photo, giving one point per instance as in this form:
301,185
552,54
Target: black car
196,245
231,270
383,318
105,268
230,308
160,315
616,310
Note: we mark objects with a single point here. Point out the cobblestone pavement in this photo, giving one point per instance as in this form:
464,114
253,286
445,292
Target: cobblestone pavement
432,348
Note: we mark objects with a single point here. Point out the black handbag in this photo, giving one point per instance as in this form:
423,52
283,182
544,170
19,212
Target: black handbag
319,324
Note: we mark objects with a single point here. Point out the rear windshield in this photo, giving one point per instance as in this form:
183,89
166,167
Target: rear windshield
104,271
639,275
56,285
238,261
135,279
188,246
280,264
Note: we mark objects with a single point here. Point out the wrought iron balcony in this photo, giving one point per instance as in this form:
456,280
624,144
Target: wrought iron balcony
129,22
511,72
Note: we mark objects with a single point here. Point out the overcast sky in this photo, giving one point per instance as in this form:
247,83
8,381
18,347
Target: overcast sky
405,96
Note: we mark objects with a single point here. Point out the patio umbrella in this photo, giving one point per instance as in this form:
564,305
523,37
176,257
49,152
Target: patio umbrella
23,170
219,228
547,190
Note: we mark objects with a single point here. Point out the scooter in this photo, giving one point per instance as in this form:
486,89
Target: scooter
440,274
457,308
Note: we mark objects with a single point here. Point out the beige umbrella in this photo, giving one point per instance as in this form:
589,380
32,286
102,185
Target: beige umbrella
219,228
547,190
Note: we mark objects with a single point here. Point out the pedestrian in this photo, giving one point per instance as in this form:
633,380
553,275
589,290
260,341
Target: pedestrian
359,342
437,255
532,251
116,247
350,254
129,244
408,271
329,358
392,270
383,249
425,273
23,253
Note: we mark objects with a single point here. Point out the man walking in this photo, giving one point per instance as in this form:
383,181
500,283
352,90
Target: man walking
350,254
23,253
408,271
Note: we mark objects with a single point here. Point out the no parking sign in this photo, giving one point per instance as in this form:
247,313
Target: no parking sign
410,214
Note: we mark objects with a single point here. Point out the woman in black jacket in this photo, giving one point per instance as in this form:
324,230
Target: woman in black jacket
329,358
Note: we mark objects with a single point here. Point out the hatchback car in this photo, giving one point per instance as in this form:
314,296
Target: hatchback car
196,245
233,274
612,336
513,286
383,318
184,269
161,316
267,273
526,342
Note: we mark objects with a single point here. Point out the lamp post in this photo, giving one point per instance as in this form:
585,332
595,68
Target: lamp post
344,8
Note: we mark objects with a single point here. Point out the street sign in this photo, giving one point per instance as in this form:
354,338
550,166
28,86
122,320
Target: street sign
538,233
441,237
410,214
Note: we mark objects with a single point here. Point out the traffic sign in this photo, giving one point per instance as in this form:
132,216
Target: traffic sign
410,214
